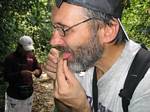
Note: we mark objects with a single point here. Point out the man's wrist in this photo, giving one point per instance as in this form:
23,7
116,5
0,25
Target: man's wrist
84,108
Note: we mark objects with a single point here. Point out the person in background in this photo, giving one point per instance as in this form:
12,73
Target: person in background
89,42
19,69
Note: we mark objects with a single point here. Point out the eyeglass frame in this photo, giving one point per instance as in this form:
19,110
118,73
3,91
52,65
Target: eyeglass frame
63,31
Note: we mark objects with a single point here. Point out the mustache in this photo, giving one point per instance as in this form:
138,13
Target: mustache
62,49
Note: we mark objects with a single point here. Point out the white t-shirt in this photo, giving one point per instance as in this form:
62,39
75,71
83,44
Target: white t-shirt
112,81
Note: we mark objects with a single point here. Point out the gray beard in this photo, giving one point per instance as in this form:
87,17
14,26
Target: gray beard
86,56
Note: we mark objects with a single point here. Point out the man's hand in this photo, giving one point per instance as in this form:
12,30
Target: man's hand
61,107
68,89
36,73
50,67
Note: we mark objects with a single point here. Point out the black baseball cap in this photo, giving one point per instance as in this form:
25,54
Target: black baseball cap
110,7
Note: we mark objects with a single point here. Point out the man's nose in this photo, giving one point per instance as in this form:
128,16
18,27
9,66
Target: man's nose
56,39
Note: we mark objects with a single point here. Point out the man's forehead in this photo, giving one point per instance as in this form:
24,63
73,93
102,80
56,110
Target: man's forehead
67,12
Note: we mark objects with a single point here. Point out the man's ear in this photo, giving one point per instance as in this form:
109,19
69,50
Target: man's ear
109,32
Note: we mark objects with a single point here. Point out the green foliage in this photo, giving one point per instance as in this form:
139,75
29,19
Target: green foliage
136,20
28,17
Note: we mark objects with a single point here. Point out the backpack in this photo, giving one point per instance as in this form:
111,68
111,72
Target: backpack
138,68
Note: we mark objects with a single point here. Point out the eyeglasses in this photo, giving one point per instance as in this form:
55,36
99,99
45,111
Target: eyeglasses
62,31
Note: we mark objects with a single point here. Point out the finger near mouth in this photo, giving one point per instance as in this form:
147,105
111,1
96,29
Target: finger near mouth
67,56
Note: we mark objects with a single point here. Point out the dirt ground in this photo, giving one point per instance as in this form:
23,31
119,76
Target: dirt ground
43,95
